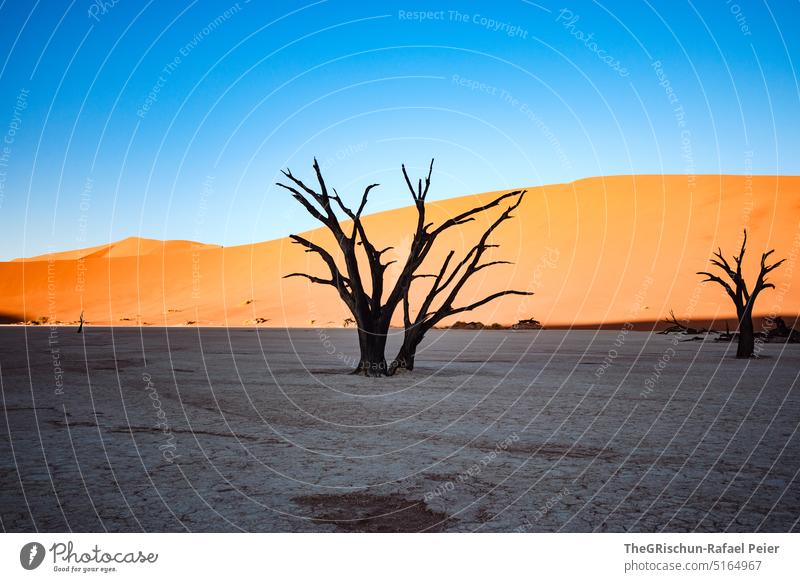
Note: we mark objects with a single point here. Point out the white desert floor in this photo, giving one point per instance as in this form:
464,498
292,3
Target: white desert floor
261,430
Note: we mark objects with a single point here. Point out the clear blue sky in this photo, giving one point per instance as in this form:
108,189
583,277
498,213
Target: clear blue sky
172,119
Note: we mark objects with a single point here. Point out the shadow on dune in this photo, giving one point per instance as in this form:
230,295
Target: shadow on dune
6,318
791,319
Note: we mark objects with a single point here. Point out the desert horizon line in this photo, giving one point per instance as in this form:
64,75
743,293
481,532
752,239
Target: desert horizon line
648,325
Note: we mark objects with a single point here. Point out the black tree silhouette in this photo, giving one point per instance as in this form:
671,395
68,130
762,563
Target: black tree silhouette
737,290
371,310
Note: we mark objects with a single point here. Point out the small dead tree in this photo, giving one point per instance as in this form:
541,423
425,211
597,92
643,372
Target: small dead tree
676,326
371,310
737,290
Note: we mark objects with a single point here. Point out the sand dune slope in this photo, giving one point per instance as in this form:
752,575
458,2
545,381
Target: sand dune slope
601,250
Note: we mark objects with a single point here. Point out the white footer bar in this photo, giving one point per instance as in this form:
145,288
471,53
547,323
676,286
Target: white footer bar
388,557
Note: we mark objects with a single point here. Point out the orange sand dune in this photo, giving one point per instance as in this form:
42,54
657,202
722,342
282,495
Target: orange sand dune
613,249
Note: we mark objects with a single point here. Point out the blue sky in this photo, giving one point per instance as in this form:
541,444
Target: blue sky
172,119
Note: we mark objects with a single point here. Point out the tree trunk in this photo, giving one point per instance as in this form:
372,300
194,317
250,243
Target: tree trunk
372,345
408,351
404,359
746,335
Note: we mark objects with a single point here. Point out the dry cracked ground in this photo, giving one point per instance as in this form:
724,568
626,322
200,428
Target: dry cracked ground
262,430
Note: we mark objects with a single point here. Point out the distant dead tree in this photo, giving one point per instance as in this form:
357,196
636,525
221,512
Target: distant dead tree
371,310
676,326
737,290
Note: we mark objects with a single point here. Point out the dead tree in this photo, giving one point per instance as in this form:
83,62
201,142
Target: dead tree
371,311
676,326
737,290
451,277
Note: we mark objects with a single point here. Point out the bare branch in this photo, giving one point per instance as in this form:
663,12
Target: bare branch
288,173
324,197
342,205
340,281
741,286
490,264
424,193
723,264
302,200
420,193
408,182
769,268
311,278
740,258
762,281
715,279
467,216
364,199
